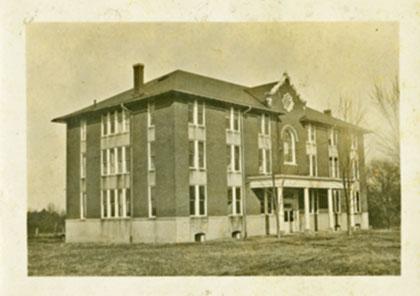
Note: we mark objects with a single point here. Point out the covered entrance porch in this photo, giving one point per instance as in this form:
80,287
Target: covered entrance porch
305,203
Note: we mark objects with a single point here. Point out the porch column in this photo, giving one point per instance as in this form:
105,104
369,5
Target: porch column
351,208
330,209
306,203
281,208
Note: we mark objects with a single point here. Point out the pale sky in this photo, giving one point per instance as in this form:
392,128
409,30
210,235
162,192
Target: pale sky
70,65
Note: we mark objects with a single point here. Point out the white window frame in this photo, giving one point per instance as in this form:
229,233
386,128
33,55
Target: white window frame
312,158
232,112
149,201
293,146
150,164
195,114
150,113
232,160
333,137
311,134
83,160
83,205
266,165
197,200
234,211
196,155
83,130
264,118
120,195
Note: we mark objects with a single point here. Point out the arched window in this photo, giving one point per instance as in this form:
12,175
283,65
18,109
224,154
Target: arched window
289,145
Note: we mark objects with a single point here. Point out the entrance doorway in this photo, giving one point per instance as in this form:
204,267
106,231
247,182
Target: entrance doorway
289,219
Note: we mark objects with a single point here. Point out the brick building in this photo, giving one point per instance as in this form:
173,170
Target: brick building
186,157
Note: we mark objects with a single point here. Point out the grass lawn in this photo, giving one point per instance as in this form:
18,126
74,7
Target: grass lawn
365,253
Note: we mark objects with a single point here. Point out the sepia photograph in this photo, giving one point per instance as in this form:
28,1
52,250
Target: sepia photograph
213,149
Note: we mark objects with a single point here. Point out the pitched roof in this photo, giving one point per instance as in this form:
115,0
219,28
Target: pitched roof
202,86
182,82
312,115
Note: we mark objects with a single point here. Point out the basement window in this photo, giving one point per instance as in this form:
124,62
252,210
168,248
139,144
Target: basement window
200,237
236,234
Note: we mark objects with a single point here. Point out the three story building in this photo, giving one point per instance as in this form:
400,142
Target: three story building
186,157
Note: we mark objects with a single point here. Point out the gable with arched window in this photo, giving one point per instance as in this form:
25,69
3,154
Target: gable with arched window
289,138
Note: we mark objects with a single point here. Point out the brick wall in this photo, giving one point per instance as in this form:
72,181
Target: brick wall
73,170
93,163
139,170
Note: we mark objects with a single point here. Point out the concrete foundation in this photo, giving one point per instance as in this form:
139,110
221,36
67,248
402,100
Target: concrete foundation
186,229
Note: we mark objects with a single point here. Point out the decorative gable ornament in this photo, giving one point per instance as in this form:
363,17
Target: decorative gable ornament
288,102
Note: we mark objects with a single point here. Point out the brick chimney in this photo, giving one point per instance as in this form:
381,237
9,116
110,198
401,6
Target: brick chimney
138,75
328,112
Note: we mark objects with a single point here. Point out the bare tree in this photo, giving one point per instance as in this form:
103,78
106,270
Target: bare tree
353,111
387,104
347,180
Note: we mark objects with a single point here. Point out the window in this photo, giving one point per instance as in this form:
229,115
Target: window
196,113
112,123
121,203
197,157
191,112
191,154
289,147
83,130
112,203
265,125
202,200
83,165
232,119
333,167
127,158
151,155
264,160
83,205
115,122
127,202
197,200
126,121
355,168
150,113
112,161
200,113
236,158
311,134
235,125
313,169
192,200
120,161
116,203
104,125
333,137
336,167
104,161
201,162
104,198
336,201
119,126
229,157
152,203
234,201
